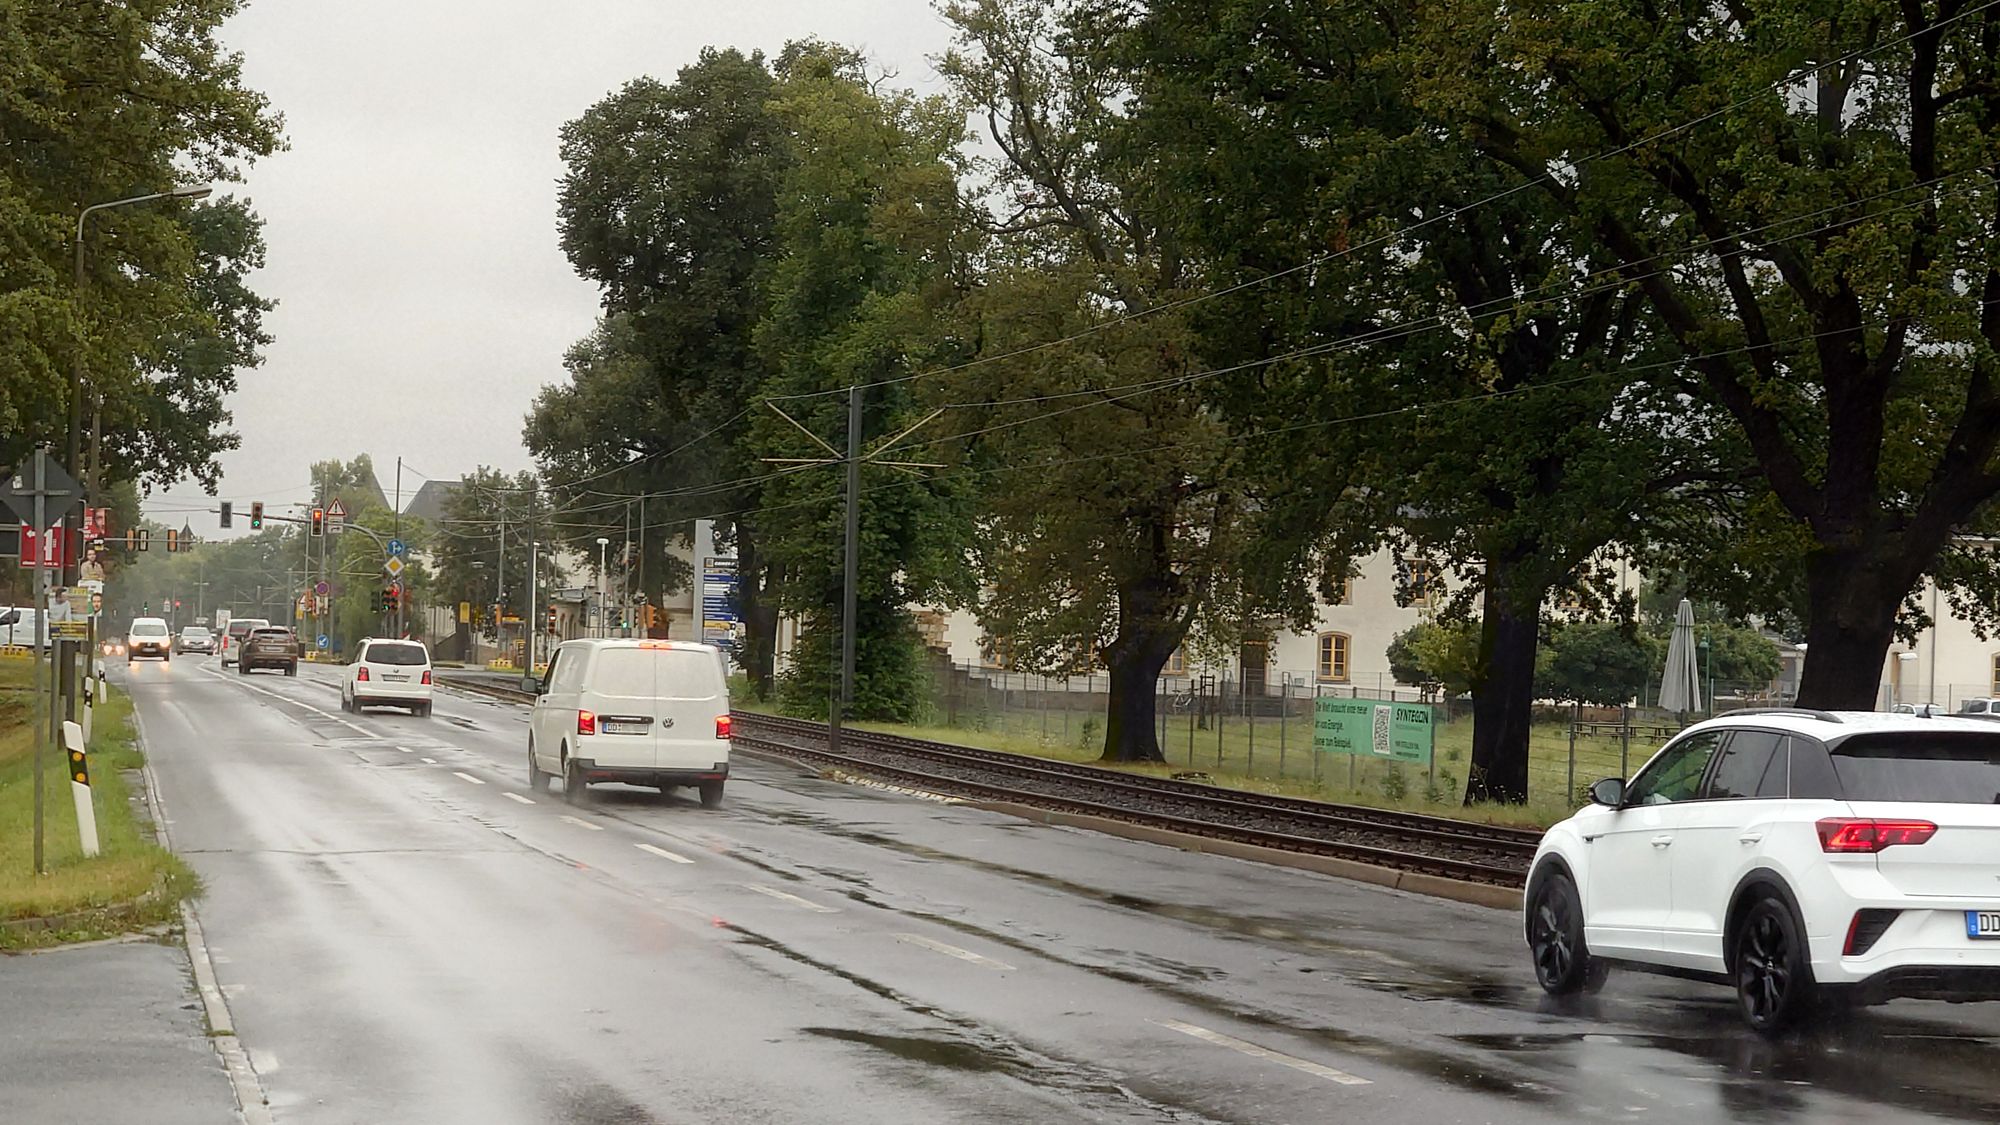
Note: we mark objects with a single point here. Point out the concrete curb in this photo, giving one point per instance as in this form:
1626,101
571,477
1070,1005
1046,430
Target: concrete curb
1457,890
125,914
243,1080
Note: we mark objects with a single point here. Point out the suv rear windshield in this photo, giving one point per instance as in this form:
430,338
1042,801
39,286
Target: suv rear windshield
279,632
1952,767
395,653
656,673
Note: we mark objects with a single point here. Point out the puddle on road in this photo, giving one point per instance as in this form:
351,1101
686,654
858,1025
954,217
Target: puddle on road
951,1053
1878,1058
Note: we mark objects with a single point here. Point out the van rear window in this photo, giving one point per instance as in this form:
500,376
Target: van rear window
1952,767
656,673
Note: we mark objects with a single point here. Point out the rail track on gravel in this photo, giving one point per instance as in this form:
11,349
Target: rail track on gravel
1403,841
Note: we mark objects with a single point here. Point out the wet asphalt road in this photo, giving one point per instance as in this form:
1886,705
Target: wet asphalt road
406,933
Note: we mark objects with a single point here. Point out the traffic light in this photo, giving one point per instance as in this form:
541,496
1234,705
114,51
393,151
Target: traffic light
256,515
228,512
319,522
177,605
173,540
374,601
145,538
552,619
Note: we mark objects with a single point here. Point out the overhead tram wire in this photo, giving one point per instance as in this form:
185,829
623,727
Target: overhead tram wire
1106,395
1444,216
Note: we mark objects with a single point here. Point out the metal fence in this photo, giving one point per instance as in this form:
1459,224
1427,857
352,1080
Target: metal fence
1219,725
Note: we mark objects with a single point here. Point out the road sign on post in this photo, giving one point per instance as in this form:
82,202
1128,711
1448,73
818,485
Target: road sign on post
57,492
336,517
394,566
398,548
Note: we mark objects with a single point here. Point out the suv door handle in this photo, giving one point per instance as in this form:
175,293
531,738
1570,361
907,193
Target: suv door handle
1750,838
1662,841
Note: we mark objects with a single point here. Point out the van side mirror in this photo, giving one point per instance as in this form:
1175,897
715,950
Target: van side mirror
1609,792
531,683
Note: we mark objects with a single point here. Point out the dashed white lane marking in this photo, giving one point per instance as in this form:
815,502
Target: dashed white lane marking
663,853
795,900
428,761
406,749
518,797
952,951
580,823
1254,1051
467,777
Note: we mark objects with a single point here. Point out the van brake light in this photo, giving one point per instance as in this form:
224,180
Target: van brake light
586,722
1866,835
722,724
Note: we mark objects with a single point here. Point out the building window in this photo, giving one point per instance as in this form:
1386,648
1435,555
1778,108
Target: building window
1176,664
1343,590
998,652
1996,673
1420,581
1333,649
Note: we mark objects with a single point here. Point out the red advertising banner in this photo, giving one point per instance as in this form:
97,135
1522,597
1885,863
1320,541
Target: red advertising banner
96,521
52,551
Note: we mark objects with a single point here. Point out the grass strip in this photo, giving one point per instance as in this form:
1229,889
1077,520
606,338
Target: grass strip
131,885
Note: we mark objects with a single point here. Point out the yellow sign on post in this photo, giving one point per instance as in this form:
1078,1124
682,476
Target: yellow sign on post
465,613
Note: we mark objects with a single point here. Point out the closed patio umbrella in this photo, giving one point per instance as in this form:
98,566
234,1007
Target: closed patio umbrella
1680,689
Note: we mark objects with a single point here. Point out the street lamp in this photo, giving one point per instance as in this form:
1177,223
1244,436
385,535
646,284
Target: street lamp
72,449
603,622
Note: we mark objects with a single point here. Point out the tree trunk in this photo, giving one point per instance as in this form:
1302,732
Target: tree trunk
1146,639
1503,695
759,656
1852,608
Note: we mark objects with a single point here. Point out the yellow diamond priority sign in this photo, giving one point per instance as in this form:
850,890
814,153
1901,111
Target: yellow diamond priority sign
394,566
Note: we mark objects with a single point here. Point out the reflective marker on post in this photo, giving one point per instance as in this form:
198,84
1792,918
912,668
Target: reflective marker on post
79,787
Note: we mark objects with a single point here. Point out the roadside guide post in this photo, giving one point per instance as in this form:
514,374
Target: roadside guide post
79,788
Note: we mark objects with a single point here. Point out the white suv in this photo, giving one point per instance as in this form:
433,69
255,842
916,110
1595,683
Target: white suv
1800,856
388,673
653,713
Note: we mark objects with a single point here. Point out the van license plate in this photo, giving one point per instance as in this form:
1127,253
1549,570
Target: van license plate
612,726
1982,924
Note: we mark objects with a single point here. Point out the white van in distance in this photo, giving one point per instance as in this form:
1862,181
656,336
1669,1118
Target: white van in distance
641,712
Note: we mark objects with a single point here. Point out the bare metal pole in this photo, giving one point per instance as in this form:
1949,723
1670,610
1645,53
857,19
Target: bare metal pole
851,570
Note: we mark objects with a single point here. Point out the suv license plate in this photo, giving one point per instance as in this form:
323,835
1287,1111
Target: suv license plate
1982,924
613,727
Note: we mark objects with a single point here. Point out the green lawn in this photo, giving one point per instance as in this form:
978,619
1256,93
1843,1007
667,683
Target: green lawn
1273,756
128,865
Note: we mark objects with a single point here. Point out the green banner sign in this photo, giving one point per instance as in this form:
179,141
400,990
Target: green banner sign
1373,728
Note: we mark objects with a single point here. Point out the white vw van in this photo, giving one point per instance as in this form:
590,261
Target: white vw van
652,713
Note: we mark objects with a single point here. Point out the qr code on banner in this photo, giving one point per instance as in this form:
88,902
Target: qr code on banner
1382,731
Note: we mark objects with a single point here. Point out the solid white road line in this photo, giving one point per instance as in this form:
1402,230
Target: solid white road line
1254,1051
795,900
663,853
518,797
467,777
952,951
582,823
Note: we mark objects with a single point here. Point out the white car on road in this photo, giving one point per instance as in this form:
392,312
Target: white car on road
1799,856
148,636
642,712
388,673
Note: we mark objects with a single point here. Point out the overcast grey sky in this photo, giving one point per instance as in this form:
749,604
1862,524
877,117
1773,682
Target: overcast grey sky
423,299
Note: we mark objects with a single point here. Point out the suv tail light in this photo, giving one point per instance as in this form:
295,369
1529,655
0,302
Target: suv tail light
427,677
1847,834
361,674
586,722
722,726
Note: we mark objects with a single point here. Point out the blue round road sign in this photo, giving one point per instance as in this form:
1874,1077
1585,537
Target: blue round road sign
322,642
398,548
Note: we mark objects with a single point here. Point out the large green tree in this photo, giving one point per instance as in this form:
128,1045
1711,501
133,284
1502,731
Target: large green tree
1804,192
102,103
490,522
670,205
1420,356
871,253
1111,514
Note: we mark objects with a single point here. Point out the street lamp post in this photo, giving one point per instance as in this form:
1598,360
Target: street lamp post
73,447
603,619
531,622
